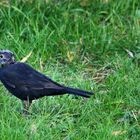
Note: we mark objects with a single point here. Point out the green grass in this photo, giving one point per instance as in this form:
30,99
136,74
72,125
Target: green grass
81,44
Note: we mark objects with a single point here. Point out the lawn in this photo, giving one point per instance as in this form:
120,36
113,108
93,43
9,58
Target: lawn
85,44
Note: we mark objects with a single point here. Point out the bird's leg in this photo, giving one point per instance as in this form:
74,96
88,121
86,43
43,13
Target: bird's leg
26,106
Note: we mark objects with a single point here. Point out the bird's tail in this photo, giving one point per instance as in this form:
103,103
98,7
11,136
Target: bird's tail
78,92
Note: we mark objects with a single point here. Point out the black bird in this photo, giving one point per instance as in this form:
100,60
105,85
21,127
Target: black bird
27,84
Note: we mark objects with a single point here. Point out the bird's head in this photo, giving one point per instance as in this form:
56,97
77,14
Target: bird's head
6,58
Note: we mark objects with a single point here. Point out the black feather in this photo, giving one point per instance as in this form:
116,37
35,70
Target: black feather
79,92
28,84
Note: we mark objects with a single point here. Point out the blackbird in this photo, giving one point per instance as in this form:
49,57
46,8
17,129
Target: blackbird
27,84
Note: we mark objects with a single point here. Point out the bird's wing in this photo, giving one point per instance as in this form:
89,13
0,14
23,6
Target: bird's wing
23,76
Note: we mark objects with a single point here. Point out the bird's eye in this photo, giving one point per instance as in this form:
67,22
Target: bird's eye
1,56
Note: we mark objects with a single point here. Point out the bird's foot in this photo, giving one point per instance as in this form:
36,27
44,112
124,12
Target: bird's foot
26,112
